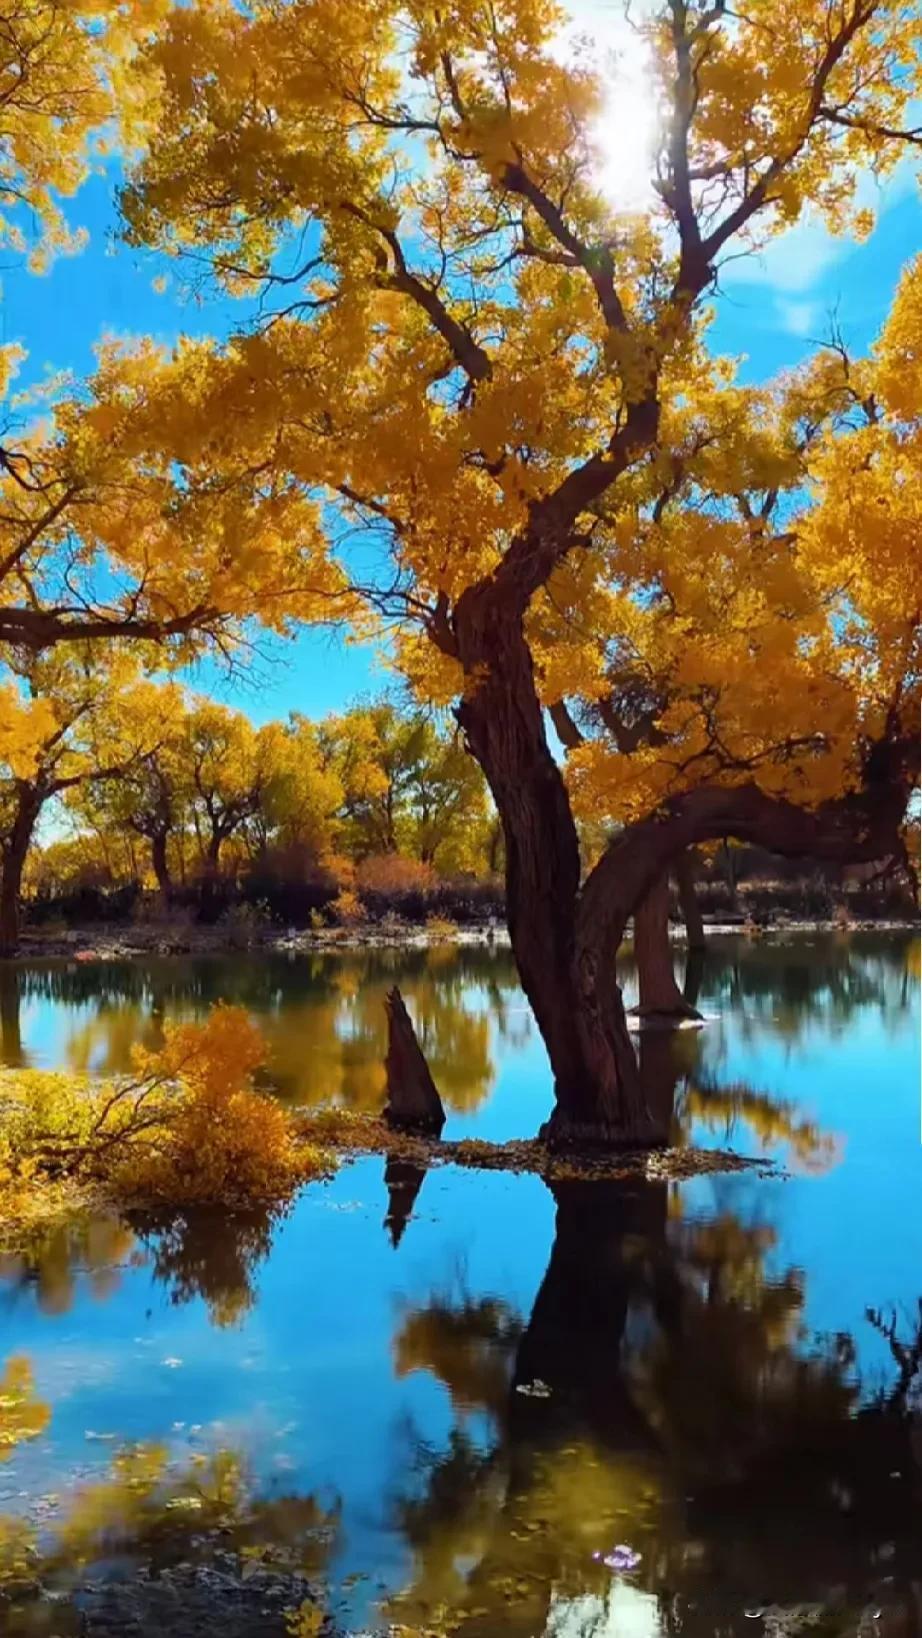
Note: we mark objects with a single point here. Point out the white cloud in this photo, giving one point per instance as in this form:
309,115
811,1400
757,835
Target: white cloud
799,318
798,260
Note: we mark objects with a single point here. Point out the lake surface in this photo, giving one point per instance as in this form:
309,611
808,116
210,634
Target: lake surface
722,1378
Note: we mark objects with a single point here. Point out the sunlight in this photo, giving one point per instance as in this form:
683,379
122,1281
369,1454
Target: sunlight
627,132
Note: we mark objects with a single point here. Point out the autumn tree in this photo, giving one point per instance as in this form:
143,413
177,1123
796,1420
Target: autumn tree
66,720
302,793
227,766
150,797
484,367
408,785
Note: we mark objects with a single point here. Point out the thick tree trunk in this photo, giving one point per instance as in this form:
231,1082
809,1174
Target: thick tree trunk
413,1103
688,900
161,866
661,1001
570,983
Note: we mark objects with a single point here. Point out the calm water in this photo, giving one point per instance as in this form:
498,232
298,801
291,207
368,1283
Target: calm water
734,1364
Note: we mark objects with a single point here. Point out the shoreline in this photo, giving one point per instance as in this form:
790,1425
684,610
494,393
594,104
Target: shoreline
112,943
118,944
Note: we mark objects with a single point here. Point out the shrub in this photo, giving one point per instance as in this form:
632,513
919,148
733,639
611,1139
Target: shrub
347,907
441,927
242,923
186,1128
393,876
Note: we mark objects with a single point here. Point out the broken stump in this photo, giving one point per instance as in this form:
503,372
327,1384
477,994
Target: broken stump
413,1103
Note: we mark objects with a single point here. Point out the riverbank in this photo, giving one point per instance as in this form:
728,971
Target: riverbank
122,943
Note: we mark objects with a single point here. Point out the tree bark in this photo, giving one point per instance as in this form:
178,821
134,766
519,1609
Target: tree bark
571,987
413,1103
688,900
161,865
15,852
661,1000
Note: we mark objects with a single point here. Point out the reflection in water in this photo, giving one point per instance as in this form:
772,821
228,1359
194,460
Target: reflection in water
659,1397
323,1014
172,1517
685,1370
48,1265
213,1255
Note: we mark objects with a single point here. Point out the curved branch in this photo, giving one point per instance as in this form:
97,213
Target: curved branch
849,829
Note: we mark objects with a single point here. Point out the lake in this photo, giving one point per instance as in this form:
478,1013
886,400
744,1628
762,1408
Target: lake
462,1402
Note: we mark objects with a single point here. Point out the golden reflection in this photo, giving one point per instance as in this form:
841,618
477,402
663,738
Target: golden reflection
51,1259
662,1383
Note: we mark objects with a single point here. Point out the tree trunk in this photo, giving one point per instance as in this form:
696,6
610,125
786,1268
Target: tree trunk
570,982
413,1103
688,899
161,866
13,864
661,1000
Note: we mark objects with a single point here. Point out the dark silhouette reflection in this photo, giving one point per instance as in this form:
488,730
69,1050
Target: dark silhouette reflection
11,1050
661,1396
695,963
403,1180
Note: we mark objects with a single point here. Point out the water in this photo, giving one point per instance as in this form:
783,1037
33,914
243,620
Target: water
734,1363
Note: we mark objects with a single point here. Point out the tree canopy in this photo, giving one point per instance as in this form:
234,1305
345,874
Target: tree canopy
475,402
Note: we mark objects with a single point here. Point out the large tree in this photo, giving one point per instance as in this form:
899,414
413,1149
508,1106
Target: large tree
473,358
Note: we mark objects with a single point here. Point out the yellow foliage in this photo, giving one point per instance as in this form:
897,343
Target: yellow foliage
187,1127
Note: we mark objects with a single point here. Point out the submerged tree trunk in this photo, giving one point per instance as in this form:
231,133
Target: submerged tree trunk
661,1000
11,1052
569,979
413,1103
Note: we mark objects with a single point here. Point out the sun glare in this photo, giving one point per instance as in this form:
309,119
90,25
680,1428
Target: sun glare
627,131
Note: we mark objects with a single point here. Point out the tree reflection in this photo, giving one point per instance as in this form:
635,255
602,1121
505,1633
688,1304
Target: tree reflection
212,1255
662,1394
166,1516
50,1262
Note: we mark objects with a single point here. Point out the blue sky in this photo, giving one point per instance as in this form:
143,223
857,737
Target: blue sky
771,309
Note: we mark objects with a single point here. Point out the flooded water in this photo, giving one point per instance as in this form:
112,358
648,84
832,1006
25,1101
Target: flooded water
464,1402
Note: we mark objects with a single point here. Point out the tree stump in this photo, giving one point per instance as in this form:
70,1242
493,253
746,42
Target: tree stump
413,1103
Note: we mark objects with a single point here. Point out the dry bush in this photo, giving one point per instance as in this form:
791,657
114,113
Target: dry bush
393,876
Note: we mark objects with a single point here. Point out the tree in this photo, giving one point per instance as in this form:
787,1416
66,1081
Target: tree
407,786
150,796
492,371
114,526
66,721
227,765
64,75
